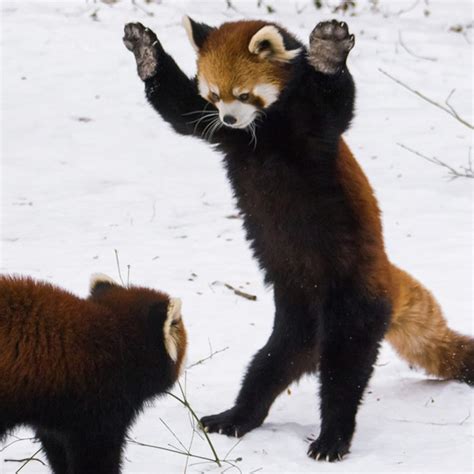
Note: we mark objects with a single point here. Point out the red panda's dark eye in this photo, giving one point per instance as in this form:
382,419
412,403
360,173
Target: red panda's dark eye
214,97
244,97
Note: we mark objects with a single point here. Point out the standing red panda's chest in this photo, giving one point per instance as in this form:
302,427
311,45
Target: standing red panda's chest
296,216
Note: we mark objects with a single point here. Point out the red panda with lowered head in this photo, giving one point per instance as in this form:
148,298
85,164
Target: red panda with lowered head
78,371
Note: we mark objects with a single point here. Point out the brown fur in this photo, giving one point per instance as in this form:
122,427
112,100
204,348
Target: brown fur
420,334
52,341
226,61
418,330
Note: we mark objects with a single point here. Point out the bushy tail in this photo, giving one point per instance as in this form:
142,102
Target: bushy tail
420,334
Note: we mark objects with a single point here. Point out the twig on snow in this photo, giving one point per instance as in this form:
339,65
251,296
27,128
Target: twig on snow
241,293
27,460
210,356
18,440
187,451
449,109
468,171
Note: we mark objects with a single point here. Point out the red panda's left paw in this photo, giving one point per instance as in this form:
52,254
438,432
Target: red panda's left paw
324,449
329,45
144,44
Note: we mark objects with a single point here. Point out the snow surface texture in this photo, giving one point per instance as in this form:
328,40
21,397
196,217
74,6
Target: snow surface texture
89,167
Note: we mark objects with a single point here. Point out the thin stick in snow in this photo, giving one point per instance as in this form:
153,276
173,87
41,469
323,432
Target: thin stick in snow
241,293
454,173
210,356
405,47
449,109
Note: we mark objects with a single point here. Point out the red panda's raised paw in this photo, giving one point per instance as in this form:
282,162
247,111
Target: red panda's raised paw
329,45
144,44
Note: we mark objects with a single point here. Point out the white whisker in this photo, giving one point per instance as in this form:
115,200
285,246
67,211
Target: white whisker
208,127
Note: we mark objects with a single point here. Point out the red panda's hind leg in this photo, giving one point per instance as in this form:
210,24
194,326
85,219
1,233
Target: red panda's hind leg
54,447
290,352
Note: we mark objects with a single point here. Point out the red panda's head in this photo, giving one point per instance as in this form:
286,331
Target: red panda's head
242,66
145,311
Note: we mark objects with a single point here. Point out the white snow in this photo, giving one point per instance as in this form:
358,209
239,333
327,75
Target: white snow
89,167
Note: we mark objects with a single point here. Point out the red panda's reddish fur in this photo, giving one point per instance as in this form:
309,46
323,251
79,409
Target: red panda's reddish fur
78,371
226,60
418,330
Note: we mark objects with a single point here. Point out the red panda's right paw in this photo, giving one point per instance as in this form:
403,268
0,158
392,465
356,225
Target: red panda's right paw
329,45
230,423
144,44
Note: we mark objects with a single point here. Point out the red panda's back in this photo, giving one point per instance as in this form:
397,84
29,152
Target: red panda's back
43,338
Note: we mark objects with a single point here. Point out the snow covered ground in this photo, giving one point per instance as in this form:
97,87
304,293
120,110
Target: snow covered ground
88,167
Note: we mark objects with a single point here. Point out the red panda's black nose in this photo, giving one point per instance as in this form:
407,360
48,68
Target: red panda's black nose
229,119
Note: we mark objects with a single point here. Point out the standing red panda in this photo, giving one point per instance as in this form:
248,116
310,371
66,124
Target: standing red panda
277,110
78,371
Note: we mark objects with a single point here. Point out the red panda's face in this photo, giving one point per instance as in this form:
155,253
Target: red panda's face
242,67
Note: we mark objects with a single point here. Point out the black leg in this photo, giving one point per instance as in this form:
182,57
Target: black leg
290,352
54,447
352,329
96,453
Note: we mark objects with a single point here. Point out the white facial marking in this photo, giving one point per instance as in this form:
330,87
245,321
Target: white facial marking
203,87
214,89
238,91
267,92
243,113
100,278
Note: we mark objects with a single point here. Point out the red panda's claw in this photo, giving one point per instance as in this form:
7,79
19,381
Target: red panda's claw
145,46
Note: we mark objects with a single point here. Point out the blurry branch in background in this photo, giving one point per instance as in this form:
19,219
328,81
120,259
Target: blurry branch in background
465,172
405,47
448,108
144,10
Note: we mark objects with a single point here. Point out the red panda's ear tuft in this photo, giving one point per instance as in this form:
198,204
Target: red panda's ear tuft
100,282
268,43
197,32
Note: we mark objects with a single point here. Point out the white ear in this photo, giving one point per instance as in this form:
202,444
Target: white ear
197,32
98,278
268,42
174,309
171,339
186,21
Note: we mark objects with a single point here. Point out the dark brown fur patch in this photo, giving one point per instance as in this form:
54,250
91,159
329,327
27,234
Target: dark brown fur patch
51,340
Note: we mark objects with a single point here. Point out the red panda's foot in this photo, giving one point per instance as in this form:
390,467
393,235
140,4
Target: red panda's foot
329,45
327,448
233,422
144,44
